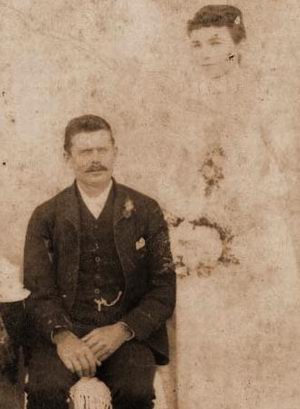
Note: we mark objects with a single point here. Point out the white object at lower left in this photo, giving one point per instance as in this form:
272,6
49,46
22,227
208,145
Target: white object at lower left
11,286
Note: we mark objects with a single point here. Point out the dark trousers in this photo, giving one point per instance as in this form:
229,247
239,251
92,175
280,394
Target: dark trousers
11,368
129,374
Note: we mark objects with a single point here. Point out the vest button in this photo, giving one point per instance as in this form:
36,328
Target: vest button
97,259
97,291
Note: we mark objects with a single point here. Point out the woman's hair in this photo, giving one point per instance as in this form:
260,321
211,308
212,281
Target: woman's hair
219,16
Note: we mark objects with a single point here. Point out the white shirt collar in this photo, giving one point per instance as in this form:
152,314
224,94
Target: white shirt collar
97,203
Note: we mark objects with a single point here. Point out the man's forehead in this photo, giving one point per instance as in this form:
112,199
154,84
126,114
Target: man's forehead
90,139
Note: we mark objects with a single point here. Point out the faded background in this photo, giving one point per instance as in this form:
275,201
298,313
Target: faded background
222,159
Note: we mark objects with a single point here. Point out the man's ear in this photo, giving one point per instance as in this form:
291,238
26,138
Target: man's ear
116,151
67,157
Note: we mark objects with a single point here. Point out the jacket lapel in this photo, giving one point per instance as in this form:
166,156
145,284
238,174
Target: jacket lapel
124,227
69,239
69,207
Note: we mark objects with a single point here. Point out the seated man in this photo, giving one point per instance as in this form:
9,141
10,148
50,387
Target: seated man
98,264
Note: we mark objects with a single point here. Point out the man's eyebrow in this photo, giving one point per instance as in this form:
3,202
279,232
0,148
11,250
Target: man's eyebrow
90,148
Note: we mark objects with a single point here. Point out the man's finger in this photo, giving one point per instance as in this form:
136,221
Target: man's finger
104,355
88,336
77,366
92,362
69,366
91,342
98,348
85,366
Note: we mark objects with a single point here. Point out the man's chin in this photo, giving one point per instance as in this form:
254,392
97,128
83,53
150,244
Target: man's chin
97,173
96,178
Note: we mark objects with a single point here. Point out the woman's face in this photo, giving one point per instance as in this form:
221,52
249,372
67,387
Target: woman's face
214,50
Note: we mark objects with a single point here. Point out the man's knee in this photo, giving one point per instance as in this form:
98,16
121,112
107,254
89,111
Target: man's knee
138,394
130,376
49,389
47,373
48,400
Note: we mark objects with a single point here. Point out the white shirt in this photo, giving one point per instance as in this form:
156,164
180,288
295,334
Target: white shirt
97,203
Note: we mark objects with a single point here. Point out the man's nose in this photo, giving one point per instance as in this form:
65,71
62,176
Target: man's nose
95,155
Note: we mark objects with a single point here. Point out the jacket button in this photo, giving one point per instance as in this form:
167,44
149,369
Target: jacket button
97,291
97,259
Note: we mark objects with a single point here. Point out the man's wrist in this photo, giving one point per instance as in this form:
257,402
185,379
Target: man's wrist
59,334
128,332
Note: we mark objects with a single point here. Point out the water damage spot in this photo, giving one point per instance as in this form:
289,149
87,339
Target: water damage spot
172,220
226,258
212,171
200,246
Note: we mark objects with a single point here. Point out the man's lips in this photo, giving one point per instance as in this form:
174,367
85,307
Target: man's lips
96,170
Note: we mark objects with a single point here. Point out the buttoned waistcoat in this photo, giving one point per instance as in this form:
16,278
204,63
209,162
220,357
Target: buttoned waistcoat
51,265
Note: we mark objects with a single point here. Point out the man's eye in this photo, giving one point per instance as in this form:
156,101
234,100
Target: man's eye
197,44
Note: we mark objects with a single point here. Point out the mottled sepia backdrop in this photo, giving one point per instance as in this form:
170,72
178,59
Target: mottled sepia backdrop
222,159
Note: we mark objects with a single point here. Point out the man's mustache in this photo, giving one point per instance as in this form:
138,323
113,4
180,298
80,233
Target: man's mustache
96,168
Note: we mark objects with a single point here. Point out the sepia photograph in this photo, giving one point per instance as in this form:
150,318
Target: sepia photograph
150,206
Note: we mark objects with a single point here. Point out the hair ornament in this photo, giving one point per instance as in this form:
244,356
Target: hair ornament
237,20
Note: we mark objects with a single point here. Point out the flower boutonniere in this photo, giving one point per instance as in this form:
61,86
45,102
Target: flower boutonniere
128,208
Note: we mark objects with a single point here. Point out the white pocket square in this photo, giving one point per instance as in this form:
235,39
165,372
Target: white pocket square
140,243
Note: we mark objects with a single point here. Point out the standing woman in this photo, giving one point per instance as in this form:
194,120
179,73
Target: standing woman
228,231
212,113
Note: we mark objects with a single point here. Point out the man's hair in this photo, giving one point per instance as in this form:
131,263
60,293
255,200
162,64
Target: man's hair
219,16
85,123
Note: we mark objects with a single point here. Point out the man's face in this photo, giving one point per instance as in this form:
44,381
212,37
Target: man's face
92,156
213,49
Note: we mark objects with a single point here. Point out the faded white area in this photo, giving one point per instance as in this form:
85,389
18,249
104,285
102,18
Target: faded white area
237,319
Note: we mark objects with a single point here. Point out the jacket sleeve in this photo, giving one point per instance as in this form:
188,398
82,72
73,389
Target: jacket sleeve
44,306
158,303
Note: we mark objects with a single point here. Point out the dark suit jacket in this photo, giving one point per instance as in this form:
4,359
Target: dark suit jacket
51,264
